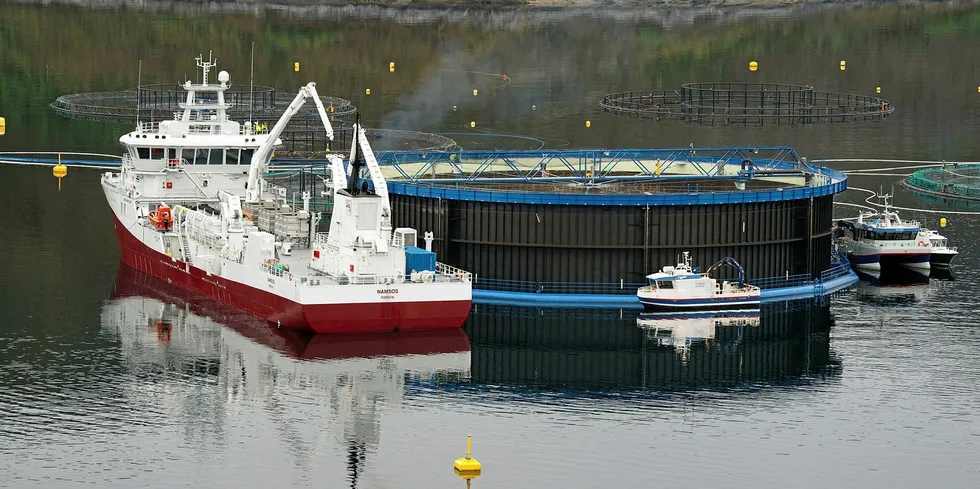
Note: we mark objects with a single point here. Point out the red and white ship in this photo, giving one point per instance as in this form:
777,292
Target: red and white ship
191,206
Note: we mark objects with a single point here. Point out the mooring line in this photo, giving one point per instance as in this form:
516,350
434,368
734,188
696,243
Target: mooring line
928,211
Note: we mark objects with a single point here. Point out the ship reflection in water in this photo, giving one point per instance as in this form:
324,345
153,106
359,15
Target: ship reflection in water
682,329
588,350
899,286
168,334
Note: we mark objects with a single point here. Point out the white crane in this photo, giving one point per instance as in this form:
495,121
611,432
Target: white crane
260,160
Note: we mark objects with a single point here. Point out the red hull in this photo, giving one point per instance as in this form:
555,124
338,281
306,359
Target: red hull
320,318
302,345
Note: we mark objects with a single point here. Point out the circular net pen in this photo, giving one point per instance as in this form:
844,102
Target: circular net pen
951,180
725,103
303,136
162,101
310,141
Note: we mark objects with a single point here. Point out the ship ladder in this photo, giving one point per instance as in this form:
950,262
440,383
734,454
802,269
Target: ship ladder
186,247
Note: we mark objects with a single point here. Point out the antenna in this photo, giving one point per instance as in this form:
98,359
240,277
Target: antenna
139,81
251,83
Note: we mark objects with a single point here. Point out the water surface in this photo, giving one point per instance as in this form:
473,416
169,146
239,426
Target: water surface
110,378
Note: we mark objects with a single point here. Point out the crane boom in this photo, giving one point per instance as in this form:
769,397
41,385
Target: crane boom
732,263
374,170
262,155
338,174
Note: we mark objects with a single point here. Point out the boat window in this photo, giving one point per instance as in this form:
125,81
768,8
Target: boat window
665,284
216,157
231,156
156,153
247,156
171,153
200,156
143,153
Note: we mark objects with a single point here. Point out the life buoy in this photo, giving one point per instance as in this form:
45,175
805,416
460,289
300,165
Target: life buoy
921,243
290,277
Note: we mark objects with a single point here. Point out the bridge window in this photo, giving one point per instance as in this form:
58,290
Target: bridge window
247,156
143,153
231,156
216,157
665,284
156,153
196,156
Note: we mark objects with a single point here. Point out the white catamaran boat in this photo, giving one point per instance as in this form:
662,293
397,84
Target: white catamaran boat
191,206
682,287
882,239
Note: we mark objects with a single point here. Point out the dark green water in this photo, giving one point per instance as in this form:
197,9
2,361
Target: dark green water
876,389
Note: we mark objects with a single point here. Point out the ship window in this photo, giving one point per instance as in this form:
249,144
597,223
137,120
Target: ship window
231,156
216,157
143,153
247,156
200,156
171,153
665,284
156,153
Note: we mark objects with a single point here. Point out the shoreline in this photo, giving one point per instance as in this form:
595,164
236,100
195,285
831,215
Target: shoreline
314,7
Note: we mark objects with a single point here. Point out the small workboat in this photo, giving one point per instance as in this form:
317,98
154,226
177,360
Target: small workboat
683,287
942,253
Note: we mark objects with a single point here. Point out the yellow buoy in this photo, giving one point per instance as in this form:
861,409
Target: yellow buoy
296,66
475,91
588,123
469,464
942,222
843,65
877,89
367,91
391,66
3,126
59,171
753,66
472,123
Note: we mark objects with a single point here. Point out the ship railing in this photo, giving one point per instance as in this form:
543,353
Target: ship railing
254,128
276,269
452,274
320,238
148,127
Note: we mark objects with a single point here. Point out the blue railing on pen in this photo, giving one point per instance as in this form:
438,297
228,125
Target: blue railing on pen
556,287
840,268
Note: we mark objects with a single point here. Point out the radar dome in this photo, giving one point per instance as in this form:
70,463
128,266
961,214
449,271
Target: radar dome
223,77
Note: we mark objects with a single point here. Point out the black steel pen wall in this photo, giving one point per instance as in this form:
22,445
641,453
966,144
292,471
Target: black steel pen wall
578,243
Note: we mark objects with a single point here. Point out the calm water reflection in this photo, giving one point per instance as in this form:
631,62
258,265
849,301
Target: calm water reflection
119,381
583,350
